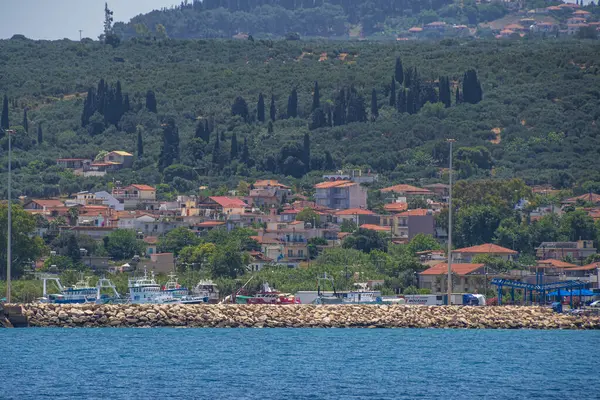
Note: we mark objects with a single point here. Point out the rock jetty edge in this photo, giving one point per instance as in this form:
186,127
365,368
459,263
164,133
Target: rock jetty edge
302,316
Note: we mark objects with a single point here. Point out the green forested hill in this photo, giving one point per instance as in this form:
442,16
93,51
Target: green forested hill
543,97
323,18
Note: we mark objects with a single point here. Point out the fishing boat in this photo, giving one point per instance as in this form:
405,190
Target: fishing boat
145,290
173,288
106,285
269,296
206,290
360,296
79,293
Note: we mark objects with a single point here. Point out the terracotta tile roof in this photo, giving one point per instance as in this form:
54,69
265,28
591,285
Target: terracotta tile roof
151,240
228,202
415,29
290,211
406,189
264,240
375,227
145,188
342,235
552,263
459,269
485,248
589,197
396,207
209,224
270,182
355,211
588,267
49,203
332,184
419,212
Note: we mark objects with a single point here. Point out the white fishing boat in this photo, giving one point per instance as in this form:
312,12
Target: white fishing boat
79,293
207,290
145,290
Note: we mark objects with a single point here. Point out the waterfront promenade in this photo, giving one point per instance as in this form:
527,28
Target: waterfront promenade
303,316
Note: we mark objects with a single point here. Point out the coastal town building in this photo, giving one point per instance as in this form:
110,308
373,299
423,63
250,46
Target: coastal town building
340,195
410,223
466,278
465,255
579,250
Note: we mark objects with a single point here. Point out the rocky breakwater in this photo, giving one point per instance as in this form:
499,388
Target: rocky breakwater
302,316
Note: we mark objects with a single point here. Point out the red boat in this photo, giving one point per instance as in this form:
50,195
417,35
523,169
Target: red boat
269,296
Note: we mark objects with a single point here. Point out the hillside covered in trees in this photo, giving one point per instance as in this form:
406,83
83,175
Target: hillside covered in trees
322,18
216,112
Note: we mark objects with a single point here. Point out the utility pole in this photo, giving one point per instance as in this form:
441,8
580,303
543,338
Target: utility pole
81,30
9,133
450,227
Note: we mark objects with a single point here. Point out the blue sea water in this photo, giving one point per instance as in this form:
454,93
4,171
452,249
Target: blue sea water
298,364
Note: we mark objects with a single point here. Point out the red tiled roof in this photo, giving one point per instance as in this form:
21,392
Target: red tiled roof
395,207
49,203
264,240
552,263
291,211
485,248
143,188
459,269
209,224
419,212
228,202
590,197
151,239
375,227
355,211
332,184
588,267
406,189
270,182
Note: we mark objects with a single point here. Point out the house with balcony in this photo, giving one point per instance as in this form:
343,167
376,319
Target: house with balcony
135,196
44,207
402,193
408,224
268,192
202,228
219,207
465,255
340,195
466,278
357,215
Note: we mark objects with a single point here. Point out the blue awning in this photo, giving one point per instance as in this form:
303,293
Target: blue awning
576,292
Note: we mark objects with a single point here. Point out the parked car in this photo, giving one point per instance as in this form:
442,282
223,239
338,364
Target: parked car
595,304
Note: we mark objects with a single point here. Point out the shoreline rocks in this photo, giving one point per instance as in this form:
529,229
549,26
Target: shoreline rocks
301,316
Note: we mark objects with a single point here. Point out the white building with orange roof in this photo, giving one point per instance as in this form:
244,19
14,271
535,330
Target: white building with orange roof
466,254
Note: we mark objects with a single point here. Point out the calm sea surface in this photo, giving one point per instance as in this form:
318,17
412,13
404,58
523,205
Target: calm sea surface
298,364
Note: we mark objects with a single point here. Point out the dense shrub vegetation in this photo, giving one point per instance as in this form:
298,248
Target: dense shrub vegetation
538,118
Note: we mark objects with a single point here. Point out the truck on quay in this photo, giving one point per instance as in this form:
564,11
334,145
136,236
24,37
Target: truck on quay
464,299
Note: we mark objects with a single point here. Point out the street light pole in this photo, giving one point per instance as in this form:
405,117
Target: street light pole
450,227
9,133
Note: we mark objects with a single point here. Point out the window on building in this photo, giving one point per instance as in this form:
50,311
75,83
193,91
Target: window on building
290,253
300,253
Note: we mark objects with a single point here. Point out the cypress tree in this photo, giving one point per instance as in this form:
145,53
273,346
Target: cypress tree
445,94
25,122
410,102
401,102
140,143
393,93
4,121
316,103
457,100
245,153
260,108
151,101
201,131
207,130
318,119
40,134
89,107
472,92
118,103
306,152
408,78
170,147
399,72
356,107
216,150
273,109
374,106
270,127
292,108
234,147
339,109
